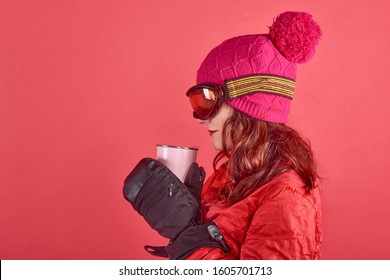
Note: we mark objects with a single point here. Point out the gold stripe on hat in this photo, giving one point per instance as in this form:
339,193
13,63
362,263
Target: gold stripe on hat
261,83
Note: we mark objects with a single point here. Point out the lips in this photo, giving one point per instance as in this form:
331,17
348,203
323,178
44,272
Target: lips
211,132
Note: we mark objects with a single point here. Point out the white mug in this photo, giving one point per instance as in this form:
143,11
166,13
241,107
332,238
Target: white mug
178,159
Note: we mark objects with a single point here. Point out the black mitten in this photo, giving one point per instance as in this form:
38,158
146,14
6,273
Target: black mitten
169,207
160,197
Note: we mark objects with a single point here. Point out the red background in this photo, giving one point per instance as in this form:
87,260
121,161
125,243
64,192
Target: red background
87,88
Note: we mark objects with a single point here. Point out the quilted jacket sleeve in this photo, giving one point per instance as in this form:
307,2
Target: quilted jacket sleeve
286,225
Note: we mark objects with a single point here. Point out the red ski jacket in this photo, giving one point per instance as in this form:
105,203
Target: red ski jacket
277,221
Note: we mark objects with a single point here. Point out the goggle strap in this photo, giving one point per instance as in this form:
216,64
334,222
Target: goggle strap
260,83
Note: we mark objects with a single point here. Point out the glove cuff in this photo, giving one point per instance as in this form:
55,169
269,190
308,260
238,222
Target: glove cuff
159,251
193,238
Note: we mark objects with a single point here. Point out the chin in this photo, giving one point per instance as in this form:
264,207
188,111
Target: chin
218,147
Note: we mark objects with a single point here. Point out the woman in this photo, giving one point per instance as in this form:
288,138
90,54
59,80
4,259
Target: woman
262,200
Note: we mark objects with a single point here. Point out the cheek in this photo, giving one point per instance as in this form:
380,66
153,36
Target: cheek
220,121
217,141
225,112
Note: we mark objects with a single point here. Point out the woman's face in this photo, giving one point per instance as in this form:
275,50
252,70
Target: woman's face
215,124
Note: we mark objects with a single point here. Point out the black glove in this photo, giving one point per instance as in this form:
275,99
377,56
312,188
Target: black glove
169,207
194,182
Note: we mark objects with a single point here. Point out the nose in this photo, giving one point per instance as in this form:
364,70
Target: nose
202,121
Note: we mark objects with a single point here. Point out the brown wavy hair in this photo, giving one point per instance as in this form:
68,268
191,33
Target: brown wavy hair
257,151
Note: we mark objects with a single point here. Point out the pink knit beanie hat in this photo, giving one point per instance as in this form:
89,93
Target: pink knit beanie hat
270,58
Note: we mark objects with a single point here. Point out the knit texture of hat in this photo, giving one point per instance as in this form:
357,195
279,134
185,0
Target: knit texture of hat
292,39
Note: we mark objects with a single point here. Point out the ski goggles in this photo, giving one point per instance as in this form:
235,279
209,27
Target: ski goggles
206,99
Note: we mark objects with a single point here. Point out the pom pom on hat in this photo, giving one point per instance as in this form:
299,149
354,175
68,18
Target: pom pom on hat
295,35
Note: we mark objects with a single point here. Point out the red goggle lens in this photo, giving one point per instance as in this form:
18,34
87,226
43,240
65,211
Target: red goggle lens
203,101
